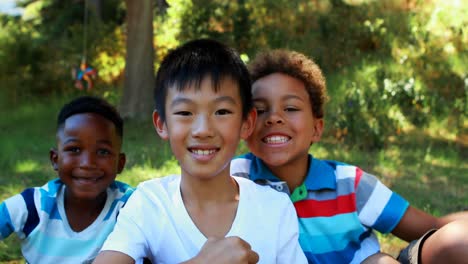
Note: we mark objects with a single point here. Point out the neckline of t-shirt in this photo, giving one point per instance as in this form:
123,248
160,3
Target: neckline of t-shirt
191,227
63,214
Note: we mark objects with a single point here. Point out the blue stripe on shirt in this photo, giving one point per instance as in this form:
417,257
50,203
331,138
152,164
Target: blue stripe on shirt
392,214
345,255
6,226
33,218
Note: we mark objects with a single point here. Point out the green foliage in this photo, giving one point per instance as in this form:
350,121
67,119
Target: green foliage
390,64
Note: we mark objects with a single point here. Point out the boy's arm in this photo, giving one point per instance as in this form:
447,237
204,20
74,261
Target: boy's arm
289,250
114,257
6,227
14,213
228,250
127,242
416,223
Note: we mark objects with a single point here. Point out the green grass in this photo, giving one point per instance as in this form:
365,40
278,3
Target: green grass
425,167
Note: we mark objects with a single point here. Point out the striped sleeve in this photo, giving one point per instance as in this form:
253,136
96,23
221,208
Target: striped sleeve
378,207
6,226
13,216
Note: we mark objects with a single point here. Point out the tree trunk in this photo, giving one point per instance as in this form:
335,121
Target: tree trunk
139,70
96,6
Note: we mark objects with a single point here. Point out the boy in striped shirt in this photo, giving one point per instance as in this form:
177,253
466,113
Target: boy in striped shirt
338,205
68,219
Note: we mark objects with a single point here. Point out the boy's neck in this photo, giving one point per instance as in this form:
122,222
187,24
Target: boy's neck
219,189
212,204
82,213
293,173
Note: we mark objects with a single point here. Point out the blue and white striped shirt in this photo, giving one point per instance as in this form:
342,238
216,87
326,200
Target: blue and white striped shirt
37,216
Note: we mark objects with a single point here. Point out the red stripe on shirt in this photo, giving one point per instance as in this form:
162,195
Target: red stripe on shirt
313,208
358,177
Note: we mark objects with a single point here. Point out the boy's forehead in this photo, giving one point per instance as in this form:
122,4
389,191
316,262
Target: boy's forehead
81,121
225,86
196,82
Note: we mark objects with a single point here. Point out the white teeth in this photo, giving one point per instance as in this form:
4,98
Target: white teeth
276,139
203,152
87,179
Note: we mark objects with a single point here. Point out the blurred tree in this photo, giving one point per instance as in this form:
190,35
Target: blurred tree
139,70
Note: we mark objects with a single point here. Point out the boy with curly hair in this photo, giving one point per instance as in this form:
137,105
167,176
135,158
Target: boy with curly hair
338,205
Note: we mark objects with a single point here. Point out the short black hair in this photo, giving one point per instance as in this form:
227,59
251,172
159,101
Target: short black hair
195,60
91,104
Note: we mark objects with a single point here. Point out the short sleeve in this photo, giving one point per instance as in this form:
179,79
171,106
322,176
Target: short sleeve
289,250
13,216
128,236
378,207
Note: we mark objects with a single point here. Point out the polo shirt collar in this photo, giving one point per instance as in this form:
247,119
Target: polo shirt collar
321,175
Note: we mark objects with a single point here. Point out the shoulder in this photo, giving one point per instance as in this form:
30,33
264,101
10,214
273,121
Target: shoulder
158,188
343,171
262,193
120,191
242,161
45,195
158,183
121,186
22,210
240,165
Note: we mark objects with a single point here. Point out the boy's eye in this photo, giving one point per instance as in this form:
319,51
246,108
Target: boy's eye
223,112
72,149
291,109
260,110
183,113
103,152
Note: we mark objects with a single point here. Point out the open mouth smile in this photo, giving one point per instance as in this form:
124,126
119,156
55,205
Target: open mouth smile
203,152
276,139
83,180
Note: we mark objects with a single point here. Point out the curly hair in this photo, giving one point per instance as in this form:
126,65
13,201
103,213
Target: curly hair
296,65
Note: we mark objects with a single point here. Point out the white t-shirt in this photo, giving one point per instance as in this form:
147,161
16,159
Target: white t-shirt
155,223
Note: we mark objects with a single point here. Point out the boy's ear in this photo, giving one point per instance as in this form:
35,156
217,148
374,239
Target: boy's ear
160,126
248,124
53,156
122,161
318,130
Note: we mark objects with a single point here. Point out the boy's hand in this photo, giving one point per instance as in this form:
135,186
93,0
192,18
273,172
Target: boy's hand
228,250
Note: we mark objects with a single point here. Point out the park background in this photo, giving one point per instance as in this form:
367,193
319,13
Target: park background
397,75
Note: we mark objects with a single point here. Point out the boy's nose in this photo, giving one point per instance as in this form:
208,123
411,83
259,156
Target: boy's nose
274,118
202,127
88,160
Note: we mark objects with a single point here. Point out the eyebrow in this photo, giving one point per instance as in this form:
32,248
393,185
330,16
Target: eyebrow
225,98
286,97
73,140
291,96
70,140
182,100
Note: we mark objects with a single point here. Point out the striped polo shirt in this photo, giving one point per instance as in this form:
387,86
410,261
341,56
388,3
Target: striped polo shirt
338,207
37,216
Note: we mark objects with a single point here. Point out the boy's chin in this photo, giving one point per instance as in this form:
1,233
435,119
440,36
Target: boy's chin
88,195
274,160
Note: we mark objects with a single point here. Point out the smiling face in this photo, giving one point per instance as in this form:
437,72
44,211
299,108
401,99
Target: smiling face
204,127
88,156
285,126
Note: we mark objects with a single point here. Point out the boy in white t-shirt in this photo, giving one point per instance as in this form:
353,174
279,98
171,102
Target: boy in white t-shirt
204,107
